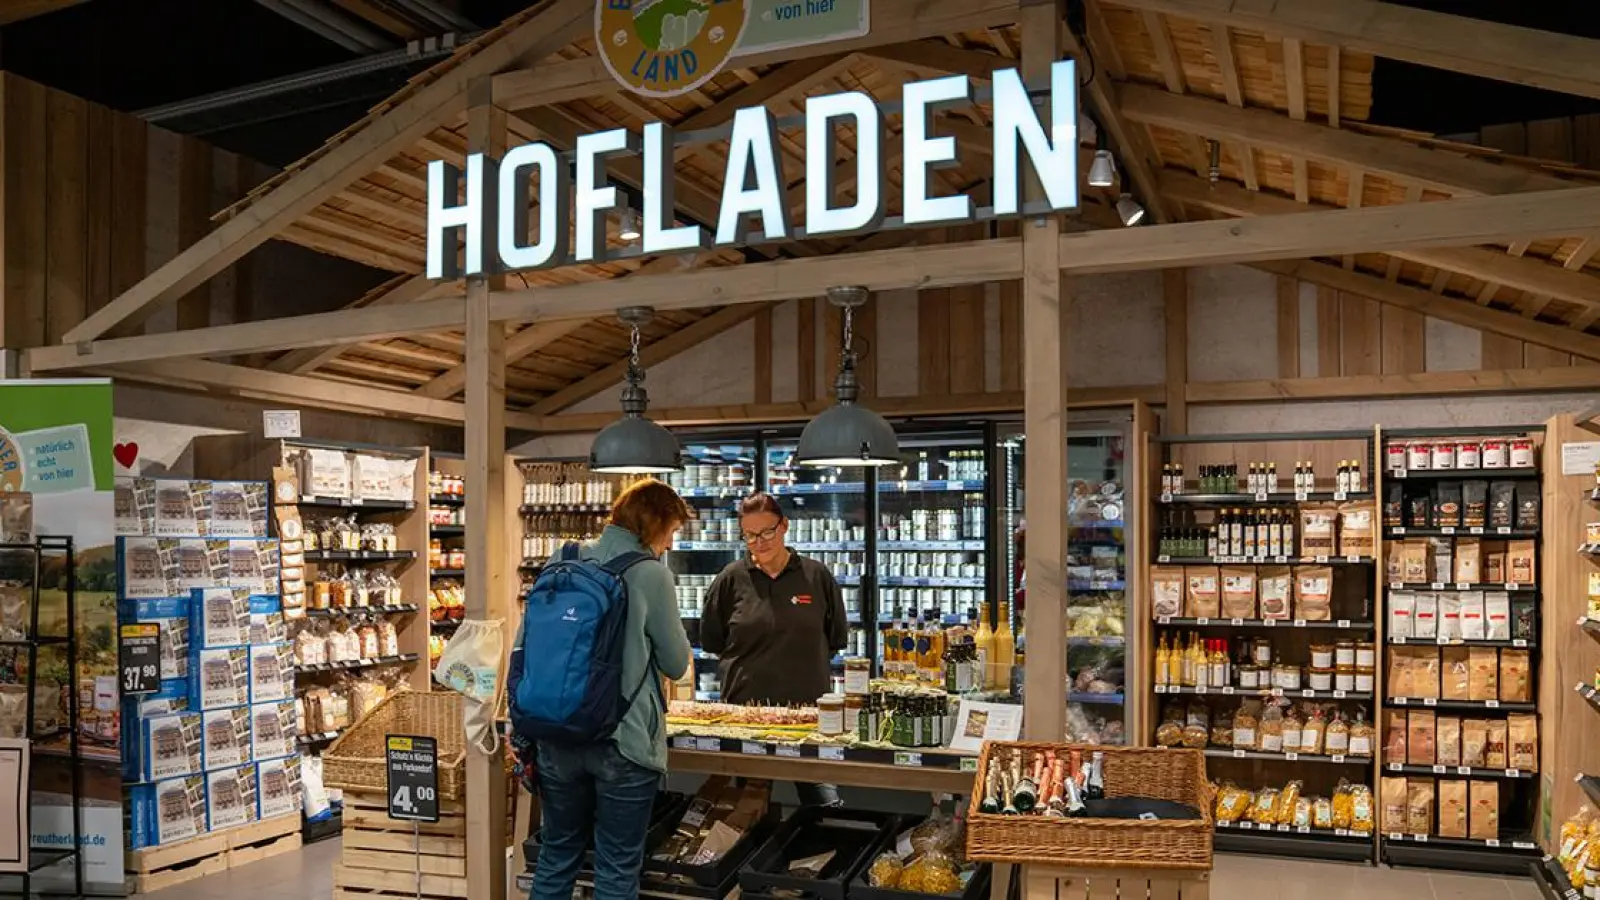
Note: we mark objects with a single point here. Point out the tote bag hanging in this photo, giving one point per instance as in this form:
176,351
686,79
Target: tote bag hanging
470,665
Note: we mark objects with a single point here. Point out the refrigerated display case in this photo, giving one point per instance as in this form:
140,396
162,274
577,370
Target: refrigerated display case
1100,522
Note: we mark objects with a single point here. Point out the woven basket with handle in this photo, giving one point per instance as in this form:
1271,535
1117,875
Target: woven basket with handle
356,761
1160,774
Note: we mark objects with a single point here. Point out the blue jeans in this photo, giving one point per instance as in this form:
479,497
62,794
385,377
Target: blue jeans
592,792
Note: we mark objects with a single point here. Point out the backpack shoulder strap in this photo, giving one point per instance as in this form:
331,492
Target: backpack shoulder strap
619,565
569,551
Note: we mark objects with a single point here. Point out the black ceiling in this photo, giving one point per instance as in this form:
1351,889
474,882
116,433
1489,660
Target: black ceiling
153,52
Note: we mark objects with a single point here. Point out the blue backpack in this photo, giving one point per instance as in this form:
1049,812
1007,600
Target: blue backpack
567,685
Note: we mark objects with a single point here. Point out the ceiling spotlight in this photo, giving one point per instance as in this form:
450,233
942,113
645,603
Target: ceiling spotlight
634,445
1103,171
630,227
1216,161
1130,210
847,434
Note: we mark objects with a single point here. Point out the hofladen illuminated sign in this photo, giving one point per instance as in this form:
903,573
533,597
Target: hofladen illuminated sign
479,220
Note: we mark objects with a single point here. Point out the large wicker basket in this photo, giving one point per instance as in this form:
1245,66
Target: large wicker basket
356,761
1176,775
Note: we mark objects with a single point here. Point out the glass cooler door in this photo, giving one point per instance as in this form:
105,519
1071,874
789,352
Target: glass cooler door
1099,596
717,473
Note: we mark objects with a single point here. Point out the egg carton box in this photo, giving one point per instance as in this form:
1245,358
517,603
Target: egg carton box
227,741
166,812
166,747
219,678
271,672
171,614
219,617
279,787
231,798
274,729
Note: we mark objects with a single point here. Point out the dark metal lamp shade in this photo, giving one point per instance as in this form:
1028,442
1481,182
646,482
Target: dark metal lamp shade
634,445
848,435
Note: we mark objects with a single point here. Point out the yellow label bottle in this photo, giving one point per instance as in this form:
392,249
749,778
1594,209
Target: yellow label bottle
1163,656
984,640
1005,650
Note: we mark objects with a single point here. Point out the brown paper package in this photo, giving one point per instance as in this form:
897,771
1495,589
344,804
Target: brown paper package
1419,738
1483,819
1447,746
1452,809
1419,805
1515,681
1394,738
1483,676
1393,816
1522,742
1203,592
1494,749
1455,668
1474,741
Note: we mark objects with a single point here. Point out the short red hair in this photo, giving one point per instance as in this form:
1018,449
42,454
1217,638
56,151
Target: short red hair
650,509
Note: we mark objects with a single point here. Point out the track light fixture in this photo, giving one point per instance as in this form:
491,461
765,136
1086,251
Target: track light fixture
1129,210
1216,161
847,434
629,229
1103,171
634,445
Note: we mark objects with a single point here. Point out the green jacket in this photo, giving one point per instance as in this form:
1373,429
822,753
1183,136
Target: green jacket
656,640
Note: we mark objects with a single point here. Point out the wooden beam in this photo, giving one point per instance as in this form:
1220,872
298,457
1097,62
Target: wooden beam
892,23
761,361
529,340
1417,384
806,349
1521,272
1288,328
652,354
1544,59
400,289
1329,360
775,86
940,56
1175,295
18,10
1044,410
1131,151
299,390
1461,312
1390,157
558,23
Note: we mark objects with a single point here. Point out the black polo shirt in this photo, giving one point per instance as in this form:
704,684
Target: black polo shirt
776,636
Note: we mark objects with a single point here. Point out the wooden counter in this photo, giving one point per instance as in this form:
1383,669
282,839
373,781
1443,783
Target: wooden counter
841,772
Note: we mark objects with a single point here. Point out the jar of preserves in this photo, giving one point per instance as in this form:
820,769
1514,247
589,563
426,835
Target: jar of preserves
1366,655
1364,680
1286,677
1320,679
857,675
1262,652
1344,678
853,704
1322,656
1250,677
1344,653
830,715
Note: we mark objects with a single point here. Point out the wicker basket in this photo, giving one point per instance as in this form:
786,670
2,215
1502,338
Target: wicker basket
356,761
1176,775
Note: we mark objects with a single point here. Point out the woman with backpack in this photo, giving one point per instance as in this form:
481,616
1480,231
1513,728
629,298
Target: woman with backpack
606,608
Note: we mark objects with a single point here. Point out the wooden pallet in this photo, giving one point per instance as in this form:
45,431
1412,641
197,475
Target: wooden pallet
380,856
1055,883
154,868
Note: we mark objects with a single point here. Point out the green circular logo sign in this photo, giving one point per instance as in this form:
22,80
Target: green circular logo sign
663,48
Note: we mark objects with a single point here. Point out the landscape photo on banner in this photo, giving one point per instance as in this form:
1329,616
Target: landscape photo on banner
55,444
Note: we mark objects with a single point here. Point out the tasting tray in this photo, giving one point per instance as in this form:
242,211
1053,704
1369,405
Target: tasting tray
855,840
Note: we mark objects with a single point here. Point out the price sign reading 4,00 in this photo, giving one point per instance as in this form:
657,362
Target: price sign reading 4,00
413,764
139,658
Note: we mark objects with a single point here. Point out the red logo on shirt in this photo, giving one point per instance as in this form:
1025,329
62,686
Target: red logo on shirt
798,599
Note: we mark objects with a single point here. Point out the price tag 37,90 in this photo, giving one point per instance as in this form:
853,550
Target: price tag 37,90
139,658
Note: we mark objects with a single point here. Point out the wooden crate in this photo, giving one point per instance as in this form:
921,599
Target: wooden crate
1052,883
154,868
377,859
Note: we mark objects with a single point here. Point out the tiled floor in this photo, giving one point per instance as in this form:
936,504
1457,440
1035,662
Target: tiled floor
309,874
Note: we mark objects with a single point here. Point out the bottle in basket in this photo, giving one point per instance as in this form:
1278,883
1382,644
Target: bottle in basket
991,791
1027,795
1096,788
1056,804
1008,787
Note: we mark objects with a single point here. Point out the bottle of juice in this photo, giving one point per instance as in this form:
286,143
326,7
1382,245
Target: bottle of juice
1005,650
1163,656
984,640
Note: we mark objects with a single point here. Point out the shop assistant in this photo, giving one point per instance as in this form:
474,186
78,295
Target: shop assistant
776,619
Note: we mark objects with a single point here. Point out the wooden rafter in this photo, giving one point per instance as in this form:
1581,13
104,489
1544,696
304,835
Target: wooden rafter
1556,62
1519,272
1418,300
546,29
1397,159
400,289
1130,150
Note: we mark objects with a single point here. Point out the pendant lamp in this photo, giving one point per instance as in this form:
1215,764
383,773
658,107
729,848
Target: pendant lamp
634,445
847,434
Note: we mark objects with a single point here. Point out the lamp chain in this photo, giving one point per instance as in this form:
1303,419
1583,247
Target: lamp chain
849,329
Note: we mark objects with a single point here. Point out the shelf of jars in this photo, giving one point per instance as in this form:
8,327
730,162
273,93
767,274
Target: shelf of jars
1264,648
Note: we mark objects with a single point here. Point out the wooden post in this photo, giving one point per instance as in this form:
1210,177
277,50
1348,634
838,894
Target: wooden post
1044,378
486,589
1175,286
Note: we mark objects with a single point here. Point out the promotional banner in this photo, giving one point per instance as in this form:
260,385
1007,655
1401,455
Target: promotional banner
55,450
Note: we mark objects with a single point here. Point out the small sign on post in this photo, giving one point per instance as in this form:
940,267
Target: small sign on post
139,658
413,770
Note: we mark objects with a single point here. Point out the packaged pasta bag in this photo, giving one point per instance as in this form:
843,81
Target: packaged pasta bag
1232,802
1362,736
1342,806
1338,742
1361,811
1270,739
1288,798
1196,727
1170,732
1246,725
1222,728
1293,732
1313,733
1264,808
1321,813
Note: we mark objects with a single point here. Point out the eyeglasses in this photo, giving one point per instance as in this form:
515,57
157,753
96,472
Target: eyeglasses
762,535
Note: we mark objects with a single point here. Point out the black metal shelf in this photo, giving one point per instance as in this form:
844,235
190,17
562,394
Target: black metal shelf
1270,498
358,556
1285,840
1494,531
1190,622
1459,642
1552,880
448,573
1461,474
1483,705
447,530
535,508
1460,771
1297,693
1333,759
352,664
1590,694
1510,587
1591,786
447,500
1508,856
355,503
1590,625
336,611
1265,560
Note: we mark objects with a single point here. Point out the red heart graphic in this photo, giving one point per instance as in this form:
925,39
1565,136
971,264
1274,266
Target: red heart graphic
125,454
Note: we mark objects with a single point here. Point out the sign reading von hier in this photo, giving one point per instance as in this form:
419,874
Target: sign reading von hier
489,230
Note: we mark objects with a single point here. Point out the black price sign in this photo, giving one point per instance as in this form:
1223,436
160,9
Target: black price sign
413,764
139,658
